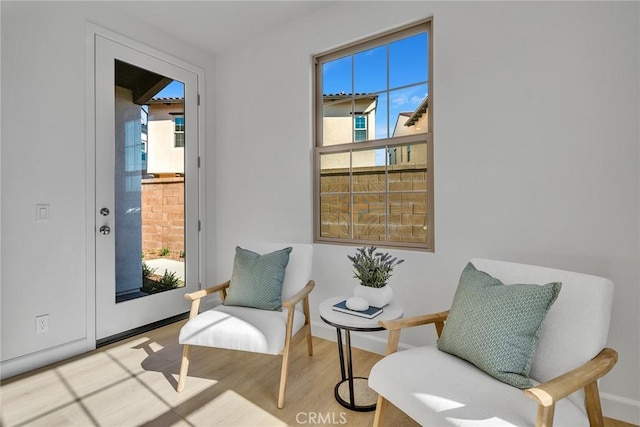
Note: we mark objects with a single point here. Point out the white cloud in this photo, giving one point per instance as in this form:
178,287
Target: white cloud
402,99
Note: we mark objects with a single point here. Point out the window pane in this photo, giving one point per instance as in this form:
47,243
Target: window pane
407,200
336,76
335,216
413,155
338,162
367,176
408,217
364,161
408,103
335,200
365,111
408,61
337,122
369,198
370,70
369,215
381,117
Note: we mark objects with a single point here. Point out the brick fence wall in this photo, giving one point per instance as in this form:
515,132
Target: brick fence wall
163,214
405,211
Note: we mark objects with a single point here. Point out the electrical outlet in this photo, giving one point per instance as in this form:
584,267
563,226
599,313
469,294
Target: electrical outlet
42,324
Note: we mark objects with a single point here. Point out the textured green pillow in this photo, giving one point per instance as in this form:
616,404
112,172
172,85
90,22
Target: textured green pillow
257,279
496,326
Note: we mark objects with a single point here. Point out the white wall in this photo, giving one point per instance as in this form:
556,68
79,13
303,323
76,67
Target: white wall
536,112
536,144
44,265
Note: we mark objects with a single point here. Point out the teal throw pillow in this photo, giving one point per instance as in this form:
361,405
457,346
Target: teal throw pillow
496,326
257,279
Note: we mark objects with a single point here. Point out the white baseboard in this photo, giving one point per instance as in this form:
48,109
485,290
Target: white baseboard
620,408
28,362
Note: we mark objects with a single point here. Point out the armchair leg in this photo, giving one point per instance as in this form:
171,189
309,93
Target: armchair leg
307,317
592,403
184,367
381,407
309,342
283,376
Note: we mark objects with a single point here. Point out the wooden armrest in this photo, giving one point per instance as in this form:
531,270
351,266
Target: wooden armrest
208,291
196,296
408,322
395,326
548,393
300,295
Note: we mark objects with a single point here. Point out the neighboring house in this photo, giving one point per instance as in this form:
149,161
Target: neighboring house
409,123
165,145
346,123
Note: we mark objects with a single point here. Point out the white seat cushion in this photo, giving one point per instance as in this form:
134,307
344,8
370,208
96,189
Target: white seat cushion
442,390
240,328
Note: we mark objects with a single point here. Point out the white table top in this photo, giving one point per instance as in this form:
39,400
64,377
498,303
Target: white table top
391,311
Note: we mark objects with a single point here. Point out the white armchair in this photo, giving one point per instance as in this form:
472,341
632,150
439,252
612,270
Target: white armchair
439,389
252,329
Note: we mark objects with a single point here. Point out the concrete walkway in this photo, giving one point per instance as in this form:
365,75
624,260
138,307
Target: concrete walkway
162,264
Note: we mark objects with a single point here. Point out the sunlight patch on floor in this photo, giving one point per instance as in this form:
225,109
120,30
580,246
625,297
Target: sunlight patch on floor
84,390
230,408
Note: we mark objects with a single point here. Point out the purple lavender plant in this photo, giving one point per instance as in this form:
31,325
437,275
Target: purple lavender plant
373,268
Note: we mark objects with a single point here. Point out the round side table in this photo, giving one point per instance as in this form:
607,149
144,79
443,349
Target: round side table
354,392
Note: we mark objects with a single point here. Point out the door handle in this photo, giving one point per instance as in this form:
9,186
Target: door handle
105,230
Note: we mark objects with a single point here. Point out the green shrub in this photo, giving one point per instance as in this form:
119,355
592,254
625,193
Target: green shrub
169,280
147,271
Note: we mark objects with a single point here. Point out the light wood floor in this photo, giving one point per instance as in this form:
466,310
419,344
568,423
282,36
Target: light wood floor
133,382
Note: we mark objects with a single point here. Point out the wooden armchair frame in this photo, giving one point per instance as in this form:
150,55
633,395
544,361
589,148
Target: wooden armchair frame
290,339
545,395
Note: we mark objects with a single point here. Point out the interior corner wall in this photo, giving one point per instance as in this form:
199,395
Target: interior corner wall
44,264
536,150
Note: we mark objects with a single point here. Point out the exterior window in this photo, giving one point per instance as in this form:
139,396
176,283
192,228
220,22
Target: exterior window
178,124
375,93
360,129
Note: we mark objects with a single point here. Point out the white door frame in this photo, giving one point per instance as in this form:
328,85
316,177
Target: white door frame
93,30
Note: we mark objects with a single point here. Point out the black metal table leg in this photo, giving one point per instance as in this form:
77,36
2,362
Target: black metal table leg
341,354
349,379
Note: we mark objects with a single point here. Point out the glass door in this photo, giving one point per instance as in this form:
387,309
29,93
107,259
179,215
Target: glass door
146,188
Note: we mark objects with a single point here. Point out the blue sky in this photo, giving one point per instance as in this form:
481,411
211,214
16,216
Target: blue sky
366,72
175,89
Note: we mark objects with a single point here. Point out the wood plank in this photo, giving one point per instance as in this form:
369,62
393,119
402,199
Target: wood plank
133,382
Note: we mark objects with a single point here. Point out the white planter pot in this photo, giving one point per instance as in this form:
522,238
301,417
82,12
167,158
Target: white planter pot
377,297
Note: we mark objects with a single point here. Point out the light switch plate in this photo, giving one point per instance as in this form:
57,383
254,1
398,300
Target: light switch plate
42,212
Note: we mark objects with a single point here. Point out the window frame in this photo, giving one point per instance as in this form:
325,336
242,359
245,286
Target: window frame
389,142
357,129
177,132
